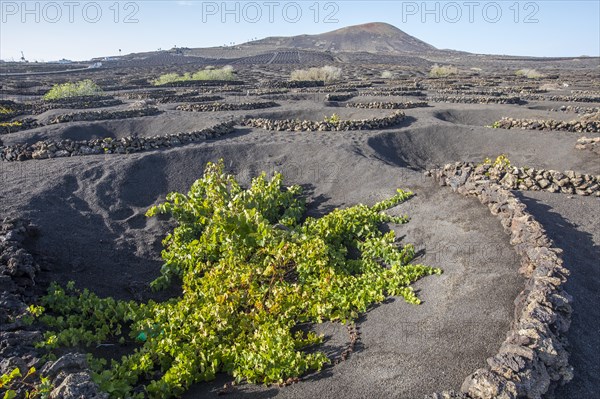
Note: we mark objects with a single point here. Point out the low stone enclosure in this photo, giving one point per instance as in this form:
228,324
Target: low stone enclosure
495,91
152,94
203,83
187,99
395,93
265,92
335,87
168,96
294,84
578,126
475,99
296,125
589,144
226,106
104,115
81,102
388,105
530,179
9,109
532,361
566,99
126,145
577,109
68,148
29,123
339,96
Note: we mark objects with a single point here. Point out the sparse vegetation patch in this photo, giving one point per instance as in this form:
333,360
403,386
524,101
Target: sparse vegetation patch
326,74
225,73
387,75
529,73
438,71
18,125
77,89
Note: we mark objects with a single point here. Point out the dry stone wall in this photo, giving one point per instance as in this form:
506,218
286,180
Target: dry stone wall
68,148
533,359
577,109
104,115
226,106
77,103
566,99
388,105
589,144
295,84
295,125
577,126
475,99
339,96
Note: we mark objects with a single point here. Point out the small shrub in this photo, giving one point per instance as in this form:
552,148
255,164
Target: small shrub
502,162
76,89
225,73
167,78
11,124
325,74
335,119
529,73
442,71
7,127
209,73
387,75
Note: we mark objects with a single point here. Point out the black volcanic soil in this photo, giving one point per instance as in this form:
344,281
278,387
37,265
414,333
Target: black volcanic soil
90,211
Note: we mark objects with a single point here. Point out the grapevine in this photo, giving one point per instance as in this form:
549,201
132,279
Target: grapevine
252,271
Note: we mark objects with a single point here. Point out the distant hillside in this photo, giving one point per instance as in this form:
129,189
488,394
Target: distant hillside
371,43
375,42
376,37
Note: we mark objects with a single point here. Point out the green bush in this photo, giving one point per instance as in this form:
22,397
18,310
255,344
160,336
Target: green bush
11,124
387,75
252,272
529,73
334,119
502,162
76,89
209,73
326,74
442,71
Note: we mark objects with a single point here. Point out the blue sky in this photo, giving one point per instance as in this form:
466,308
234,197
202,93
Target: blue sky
81,29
